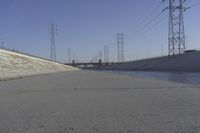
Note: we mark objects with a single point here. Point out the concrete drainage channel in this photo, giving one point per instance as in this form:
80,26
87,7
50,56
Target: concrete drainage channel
89,101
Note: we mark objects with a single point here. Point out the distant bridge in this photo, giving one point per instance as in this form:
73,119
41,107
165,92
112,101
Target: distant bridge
91,65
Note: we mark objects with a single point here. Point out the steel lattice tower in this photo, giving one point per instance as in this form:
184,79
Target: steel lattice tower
106,54
176,35
53,30
120,47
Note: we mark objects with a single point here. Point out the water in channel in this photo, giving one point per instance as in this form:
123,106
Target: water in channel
192,78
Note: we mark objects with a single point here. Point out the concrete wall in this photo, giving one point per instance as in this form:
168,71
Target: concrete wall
182,62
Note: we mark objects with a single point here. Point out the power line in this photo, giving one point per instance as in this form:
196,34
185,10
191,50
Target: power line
151,29
146,18
194,5
150,13
150,21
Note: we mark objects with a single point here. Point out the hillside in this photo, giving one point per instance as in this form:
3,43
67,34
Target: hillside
15,65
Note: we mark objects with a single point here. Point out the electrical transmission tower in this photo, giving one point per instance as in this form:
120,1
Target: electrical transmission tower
106,55
53,33
120,47
176,34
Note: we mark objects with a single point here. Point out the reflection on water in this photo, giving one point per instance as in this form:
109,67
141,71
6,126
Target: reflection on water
181,77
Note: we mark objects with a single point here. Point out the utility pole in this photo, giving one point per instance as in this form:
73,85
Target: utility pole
176,33
69,55
120,47
106,54
2,43
53,32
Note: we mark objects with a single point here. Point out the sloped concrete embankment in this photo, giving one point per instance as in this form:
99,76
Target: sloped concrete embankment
16,65
182,62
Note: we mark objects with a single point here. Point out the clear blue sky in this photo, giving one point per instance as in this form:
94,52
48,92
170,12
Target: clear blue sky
86,26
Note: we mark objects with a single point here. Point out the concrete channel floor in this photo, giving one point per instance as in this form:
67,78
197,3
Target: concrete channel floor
93,102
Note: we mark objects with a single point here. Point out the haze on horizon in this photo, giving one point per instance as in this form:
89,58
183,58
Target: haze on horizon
86,26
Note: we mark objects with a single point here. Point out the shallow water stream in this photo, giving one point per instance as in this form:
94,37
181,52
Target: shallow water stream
180,77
